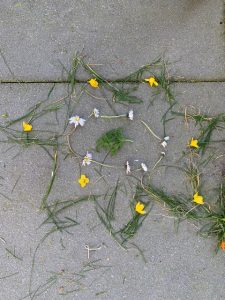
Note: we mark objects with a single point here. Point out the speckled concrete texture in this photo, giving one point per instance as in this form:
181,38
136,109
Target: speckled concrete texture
40,38
180,264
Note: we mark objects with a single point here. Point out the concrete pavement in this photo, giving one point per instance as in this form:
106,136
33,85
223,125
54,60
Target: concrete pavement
121,36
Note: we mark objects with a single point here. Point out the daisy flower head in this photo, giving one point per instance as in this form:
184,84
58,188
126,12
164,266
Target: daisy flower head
76,120
87,159
164,144
127,168
96,113
130,115
144,167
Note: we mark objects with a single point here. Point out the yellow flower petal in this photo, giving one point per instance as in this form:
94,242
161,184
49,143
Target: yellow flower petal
139,208
152,81
83,180
222,245
93,82
194,143
198,199
27,127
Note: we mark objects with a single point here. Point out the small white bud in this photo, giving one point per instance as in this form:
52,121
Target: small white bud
127,168
130,115
164,144
96,112
144,167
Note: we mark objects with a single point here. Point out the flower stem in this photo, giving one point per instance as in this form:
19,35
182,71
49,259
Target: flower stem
158,161
130,141
156,136
104,165
113,117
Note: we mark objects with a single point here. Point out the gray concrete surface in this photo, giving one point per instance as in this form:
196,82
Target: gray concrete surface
180,265
120,36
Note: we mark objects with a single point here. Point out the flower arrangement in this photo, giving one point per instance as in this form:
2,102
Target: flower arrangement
195,206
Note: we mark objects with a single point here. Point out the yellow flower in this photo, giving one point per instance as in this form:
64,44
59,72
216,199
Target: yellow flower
83,180
198,199
27,127
152,81
93,82
139,208
193,143
222,245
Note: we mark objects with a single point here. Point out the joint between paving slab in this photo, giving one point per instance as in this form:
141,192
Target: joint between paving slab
183,80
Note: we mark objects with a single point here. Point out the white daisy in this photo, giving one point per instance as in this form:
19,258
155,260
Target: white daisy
96,112
127,168
166,138
87,159
164,144
130,115
144,167
76,120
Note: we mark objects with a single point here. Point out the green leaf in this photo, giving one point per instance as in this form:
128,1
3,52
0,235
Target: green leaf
124,96
111,141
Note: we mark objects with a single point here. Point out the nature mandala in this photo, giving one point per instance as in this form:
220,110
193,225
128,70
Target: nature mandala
134,176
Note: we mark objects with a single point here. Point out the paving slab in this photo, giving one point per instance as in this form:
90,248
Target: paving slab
180,264
120,35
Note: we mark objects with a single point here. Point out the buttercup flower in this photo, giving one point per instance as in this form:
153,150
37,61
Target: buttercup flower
93,82
127,168
96,113
76,120
198,198
130,115
27,127
222,245
193,143
139,208
83,180
87,159
144,167
152,81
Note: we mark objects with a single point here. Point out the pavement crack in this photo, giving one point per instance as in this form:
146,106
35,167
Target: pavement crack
172,80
